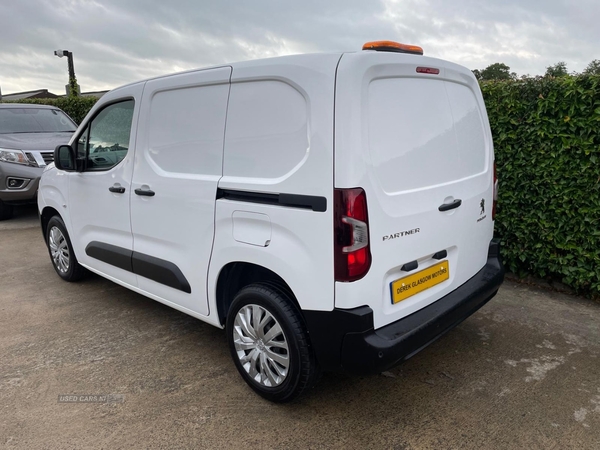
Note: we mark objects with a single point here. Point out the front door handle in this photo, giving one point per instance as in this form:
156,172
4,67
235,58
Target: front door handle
448,206
145,192
117,189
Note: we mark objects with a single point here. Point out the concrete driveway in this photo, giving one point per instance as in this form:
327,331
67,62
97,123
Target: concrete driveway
523,372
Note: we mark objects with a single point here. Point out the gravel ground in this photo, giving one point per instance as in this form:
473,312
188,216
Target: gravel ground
523,372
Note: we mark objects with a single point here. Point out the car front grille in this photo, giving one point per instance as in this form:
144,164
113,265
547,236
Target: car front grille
31,159
36,157
48,157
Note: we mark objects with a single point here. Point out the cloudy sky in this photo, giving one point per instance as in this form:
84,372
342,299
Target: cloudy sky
119,41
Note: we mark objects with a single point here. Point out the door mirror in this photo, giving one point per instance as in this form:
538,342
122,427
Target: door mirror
64,158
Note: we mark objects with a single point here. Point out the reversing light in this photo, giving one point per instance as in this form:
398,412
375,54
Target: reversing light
429,70
391,46
352,256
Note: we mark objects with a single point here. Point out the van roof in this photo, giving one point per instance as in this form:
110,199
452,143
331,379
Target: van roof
276,60
306,59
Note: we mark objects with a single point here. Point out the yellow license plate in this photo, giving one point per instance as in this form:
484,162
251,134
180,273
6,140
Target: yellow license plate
418,282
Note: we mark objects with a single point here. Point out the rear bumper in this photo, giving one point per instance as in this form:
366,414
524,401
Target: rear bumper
344,340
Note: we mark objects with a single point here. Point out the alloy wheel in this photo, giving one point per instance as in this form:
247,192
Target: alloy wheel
261,345
59,249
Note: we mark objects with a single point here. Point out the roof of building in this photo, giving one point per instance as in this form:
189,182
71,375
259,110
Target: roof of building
38,93
44,93
93,94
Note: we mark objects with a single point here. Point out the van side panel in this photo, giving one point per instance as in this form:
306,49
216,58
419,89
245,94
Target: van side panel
267,126
278,162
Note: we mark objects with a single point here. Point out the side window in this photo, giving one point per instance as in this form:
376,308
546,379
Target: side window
105,141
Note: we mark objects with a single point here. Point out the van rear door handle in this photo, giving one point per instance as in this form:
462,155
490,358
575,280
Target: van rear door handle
145,192
448,206
117,189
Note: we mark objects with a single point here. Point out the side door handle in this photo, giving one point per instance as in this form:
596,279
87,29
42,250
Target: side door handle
144,192
117,189
448,206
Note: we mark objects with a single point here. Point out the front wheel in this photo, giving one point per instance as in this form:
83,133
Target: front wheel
269,343
61,251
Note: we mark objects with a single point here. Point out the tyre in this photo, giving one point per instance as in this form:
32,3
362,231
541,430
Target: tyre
269,344
6,211
61,251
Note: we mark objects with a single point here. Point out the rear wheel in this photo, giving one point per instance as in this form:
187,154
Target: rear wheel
6,211
61,251
269,343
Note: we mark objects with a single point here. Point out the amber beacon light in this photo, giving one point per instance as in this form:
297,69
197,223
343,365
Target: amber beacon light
391,46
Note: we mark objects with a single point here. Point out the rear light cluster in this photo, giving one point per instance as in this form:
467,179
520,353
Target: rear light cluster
495,193
352,256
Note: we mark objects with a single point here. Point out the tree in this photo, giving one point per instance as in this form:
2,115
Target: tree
557,70
73,90
496,71
593,68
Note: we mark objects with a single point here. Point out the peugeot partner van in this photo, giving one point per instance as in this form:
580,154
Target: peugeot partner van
332,212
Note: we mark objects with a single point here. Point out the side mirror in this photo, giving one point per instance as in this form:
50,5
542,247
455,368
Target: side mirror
64,158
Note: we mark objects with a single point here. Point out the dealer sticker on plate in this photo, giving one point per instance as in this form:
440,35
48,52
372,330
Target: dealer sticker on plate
418,282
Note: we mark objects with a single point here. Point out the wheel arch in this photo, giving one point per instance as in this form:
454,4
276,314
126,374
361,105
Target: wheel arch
47,213
234,276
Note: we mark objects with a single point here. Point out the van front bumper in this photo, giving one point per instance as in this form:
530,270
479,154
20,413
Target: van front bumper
346,341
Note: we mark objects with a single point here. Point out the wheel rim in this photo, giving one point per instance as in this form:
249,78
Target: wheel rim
59,250
261,345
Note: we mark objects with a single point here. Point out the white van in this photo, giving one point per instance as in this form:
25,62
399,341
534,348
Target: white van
332,212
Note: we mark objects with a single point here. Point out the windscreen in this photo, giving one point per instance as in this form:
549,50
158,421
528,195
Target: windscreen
424,132
32,120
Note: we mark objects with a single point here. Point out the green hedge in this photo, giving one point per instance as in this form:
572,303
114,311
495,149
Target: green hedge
75,107
547,141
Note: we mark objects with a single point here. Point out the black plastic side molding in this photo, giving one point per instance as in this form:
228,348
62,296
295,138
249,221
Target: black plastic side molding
315,203
159,270
155,269
110,254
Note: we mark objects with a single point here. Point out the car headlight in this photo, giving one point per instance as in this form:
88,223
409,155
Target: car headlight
13,156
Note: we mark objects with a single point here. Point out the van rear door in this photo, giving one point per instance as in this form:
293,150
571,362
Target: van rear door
418,142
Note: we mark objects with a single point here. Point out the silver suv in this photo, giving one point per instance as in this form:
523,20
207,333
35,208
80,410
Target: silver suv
28,137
